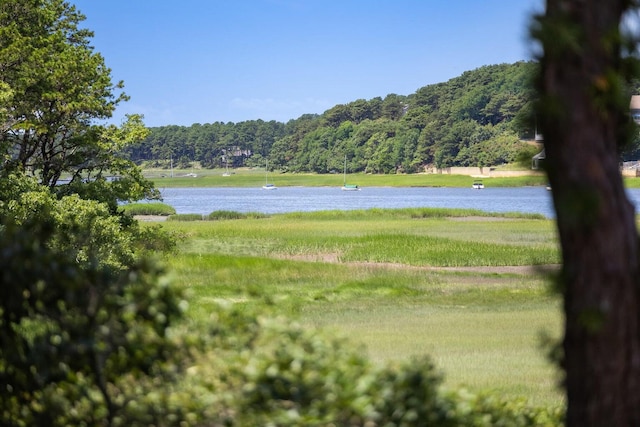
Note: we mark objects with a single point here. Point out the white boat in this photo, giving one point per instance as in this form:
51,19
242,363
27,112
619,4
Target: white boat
477,185
266,185
350,187
345,186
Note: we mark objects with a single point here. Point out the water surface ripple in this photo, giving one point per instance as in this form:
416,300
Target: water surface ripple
305,199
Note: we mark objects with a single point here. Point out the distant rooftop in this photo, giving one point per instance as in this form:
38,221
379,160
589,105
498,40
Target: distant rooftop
634,106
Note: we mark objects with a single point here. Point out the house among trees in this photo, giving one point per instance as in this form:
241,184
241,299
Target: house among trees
537,159
634,106
634,110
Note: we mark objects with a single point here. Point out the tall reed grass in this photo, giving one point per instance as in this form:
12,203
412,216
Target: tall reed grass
394,281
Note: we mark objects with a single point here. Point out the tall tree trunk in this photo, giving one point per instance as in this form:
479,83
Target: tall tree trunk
584,113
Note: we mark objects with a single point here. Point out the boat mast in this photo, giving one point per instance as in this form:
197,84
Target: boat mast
345,169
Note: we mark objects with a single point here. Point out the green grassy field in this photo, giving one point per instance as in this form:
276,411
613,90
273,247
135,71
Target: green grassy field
456,285
256,177
245,177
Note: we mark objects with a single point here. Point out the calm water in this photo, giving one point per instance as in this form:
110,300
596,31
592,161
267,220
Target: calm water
295,199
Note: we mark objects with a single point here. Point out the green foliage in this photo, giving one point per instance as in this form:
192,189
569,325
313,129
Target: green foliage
293,377
84,316
55,89
23,197
489,410
86,228
5,96
155,208
212,145
80,341
410,396
476,119
154,239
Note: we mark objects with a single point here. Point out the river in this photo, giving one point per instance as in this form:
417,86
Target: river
305,199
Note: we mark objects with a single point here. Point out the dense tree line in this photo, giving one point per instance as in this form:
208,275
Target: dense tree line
210,144
477,119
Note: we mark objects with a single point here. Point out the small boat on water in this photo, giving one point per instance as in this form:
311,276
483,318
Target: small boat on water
477,185
266,185
350,187
345,186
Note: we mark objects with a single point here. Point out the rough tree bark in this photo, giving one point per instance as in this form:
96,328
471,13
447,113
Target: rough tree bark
584,111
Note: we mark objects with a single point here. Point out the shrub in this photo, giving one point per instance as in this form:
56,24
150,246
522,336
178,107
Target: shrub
154,238
148,209
82,343
489,410
408,396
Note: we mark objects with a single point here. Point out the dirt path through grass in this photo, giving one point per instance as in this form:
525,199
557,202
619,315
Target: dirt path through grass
506,269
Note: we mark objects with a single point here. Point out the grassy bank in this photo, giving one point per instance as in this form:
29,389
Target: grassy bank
398,282
256,178
245,177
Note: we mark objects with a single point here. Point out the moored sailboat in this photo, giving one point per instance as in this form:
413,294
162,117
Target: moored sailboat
345,186
267,185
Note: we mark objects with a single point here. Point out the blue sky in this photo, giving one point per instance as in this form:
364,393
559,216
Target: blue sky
205,61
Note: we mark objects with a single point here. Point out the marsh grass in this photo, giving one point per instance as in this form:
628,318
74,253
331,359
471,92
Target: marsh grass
224,214
439,251
379,277
478,346
397,236
154,208
185,217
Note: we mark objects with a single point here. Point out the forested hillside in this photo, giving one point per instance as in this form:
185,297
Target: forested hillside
477,119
